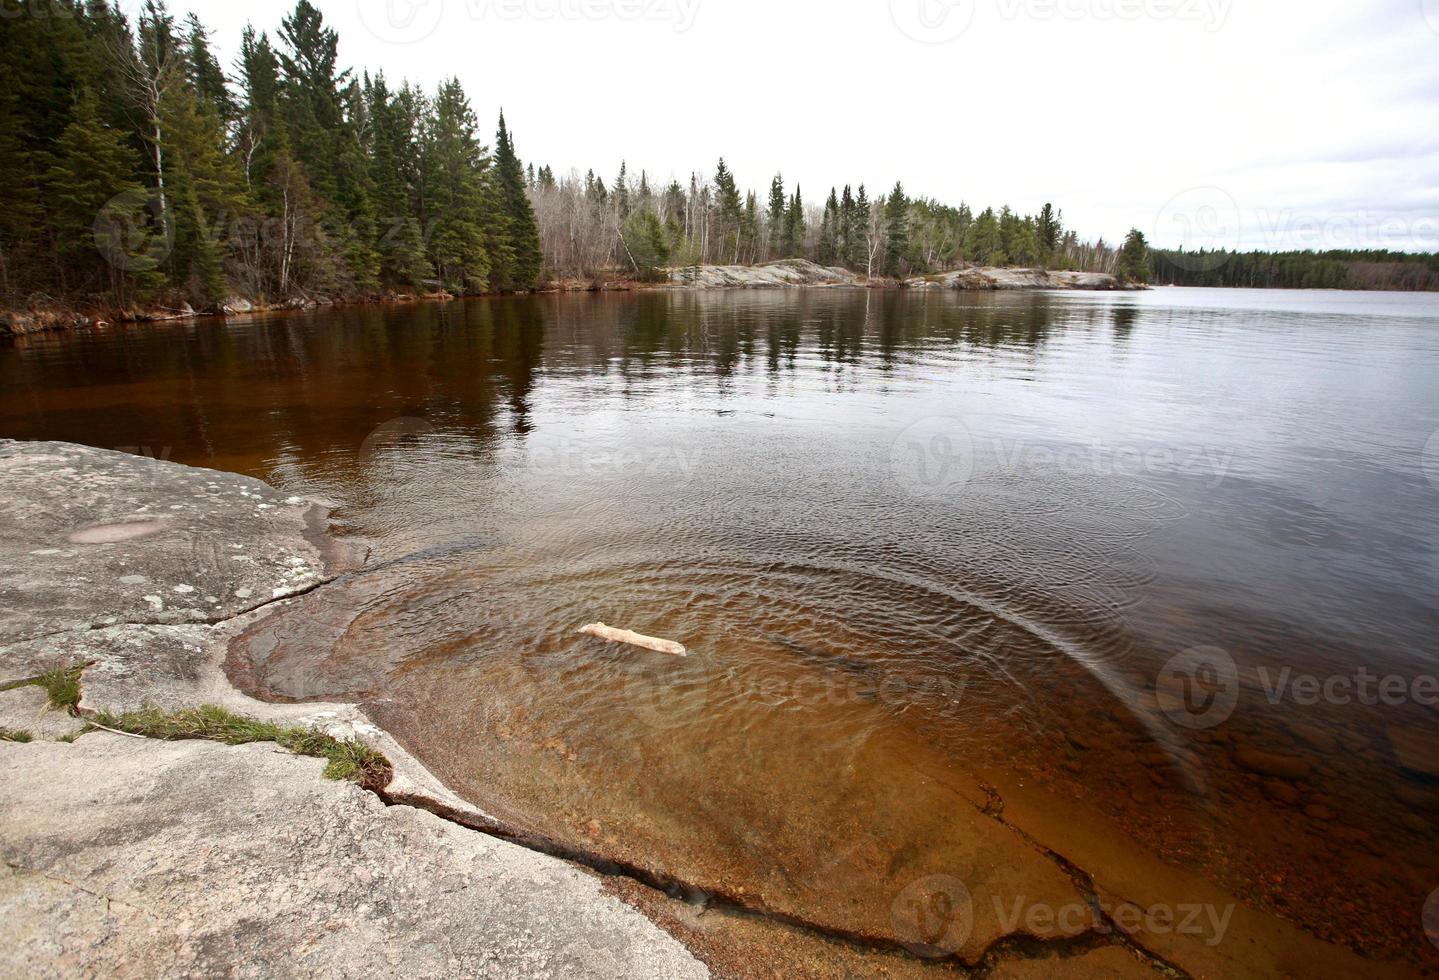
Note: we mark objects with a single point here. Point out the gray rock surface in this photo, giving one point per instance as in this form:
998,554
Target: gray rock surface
27,709
134,857
90,537
1012,279
141,858
786,272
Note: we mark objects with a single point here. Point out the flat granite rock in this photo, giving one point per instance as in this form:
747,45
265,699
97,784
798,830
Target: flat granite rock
142,858
27,709
91,537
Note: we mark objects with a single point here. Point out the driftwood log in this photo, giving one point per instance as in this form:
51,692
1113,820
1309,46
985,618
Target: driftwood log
634,639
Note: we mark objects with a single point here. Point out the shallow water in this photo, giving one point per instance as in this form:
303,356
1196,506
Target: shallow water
908,539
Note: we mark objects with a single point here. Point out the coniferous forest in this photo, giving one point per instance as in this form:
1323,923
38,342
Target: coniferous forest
137,169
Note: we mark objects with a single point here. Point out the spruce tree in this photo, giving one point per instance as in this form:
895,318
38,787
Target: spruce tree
1134,262
896,230
848,233
523,232
794,228
104,234
455,193
859,247
776,217
645,242
829,230
1049,230
729,212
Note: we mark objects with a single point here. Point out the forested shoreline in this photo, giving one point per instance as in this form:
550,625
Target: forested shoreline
1333,269
139,172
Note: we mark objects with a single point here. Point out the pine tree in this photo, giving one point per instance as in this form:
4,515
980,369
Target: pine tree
829,231
620,193
522,232
794,229
858,256
394,169
776,217
455,192
92,172
896,230
1049,230
206,77
847,237
749,228
729,212
646,244
985,244
1134,262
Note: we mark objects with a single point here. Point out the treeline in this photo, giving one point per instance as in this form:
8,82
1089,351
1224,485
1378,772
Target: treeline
1334,269
134,168
589,227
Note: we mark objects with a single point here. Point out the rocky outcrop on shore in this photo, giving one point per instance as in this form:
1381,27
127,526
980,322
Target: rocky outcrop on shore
1011,279
802,272
786,272
136,856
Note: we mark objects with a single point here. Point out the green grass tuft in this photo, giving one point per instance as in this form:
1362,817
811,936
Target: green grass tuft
350,760
62,686
14,735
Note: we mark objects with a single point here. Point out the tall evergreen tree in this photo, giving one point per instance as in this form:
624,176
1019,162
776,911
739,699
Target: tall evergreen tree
896,230
91,166
794,226
518,215
829,231
1049,230
455,196
776,215
858,257
728,200
1134,261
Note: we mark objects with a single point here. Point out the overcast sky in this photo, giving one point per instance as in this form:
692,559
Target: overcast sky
1246,123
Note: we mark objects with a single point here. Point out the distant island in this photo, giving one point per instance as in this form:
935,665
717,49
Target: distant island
141,178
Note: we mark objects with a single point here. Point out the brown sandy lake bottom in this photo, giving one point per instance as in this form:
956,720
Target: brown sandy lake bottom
1166,561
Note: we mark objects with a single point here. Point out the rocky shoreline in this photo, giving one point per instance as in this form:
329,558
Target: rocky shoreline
195,857
786,273
131,855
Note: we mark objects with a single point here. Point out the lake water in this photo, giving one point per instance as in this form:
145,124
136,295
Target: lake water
1138,550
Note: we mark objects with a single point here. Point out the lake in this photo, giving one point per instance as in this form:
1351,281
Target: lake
1172,556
